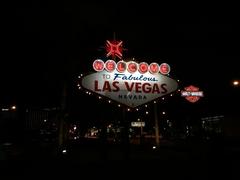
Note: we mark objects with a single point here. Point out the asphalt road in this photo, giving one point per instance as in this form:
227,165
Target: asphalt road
212,160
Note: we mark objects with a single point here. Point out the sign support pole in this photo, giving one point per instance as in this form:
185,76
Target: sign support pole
125,134
156,126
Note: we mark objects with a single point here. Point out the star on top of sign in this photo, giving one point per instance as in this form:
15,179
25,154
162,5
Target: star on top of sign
114,48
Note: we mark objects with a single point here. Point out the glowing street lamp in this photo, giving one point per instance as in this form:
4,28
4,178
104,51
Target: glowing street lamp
235,83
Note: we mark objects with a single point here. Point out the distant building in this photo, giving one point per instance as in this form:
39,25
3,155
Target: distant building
212,126
42,122
9,122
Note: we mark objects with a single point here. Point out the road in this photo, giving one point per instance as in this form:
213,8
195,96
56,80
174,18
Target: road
212,160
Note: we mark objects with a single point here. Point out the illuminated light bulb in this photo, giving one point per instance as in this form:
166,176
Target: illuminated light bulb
109,101
154,147
235,83
13,107
64,151
128,109
163,112
79,76
79,87
146,105
163,98
178,80
119,105
137,109
89,93
99,97
179,90
171,94
154,102
146,112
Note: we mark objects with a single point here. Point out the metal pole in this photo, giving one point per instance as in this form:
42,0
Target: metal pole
62,116
141,134
156,126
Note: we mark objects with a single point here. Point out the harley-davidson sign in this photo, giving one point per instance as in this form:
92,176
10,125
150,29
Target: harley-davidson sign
192,93
130,83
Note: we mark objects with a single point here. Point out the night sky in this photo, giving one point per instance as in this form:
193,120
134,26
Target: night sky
44,44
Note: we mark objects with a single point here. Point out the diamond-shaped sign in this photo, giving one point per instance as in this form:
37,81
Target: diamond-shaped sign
131,89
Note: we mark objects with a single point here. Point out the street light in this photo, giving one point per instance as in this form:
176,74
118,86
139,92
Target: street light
235,83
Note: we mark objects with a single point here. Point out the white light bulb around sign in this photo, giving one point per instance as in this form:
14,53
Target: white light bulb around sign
129,88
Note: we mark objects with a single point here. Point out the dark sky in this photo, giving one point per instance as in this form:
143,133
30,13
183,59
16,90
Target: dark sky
45,43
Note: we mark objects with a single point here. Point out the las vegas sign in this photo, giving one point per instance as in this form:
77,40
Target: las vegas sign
129,83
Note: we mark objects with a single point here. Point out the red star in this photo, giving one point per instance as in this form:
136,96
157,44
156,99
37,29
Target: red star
114,49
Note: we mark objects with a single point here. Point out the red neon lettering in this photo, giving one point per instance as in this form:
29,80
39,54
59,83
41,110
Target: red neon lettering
154,68
121,66
110,65
98,65
164,68
143,67
132,67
